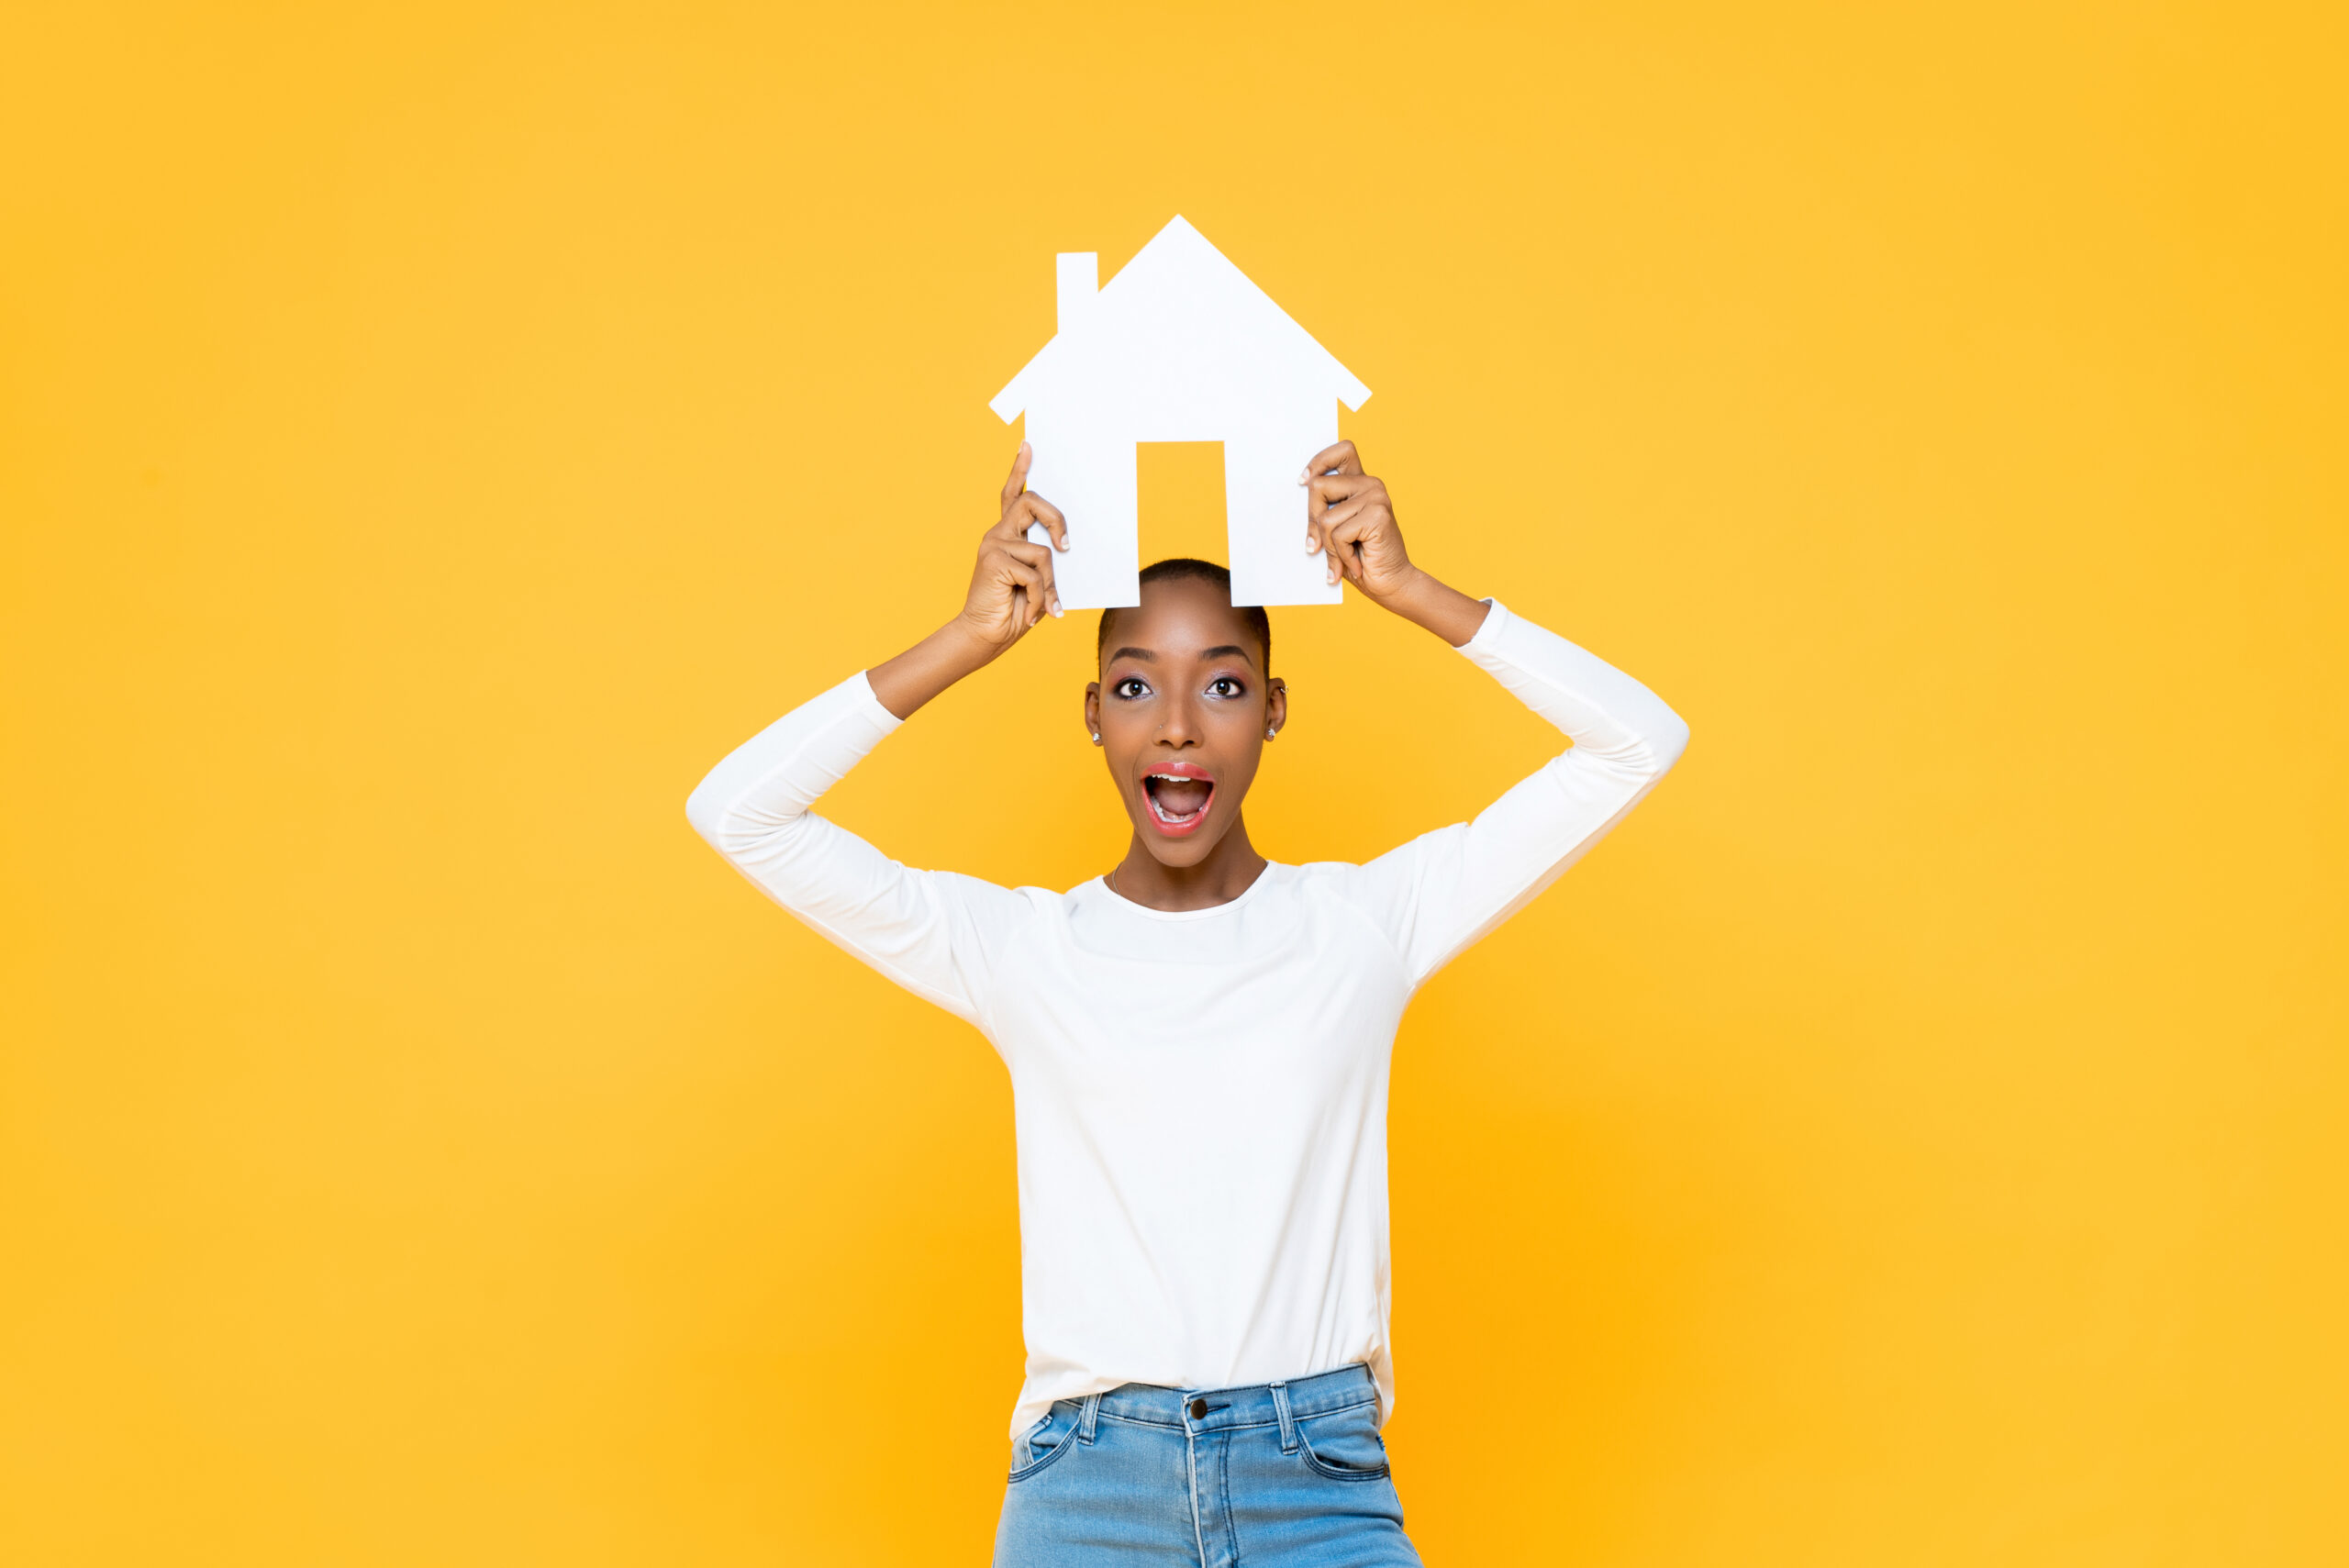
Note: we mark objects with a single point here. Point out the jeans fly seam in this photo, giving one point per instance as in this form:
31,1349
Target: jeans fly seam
1191,1446
1231,1524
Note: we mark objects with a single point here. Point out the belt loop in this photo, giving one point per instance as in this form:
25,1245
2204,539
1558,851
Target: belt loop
1084,1422
1288,1422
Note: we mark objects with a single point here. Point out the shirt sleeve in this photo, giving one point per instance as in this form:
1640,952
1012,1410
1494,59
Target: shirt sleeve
1437,894
934,933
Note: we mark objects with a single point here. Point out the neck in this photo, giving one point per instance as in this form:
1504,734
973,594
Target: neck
1229,870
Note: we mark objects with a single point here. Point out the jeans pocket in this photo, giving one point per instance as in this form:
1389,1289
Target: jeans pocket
1046,1440
1344,1445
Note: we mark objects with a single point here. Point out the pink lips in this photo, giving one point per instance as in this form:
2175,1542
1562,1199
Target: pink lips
1175,826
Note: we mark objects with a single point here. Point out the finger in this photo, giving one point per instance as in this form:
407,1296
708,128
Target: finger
1341,458
1018,480
1017,513
1039,560
1321,510
1034,509
1333,550
1038,556
1325,491
1042,511
1360,506
1027,588
1338,552
1353,538
1347,540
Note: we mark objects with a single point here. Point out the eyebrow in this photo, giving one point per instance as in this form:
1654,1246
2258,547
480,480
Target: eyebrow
1147,657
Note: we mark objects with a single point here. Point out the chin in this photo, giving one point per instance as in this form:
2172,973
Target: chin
1170,851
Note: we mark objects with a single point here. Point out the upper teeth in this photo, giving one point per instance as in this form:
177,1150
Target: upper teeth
1179,778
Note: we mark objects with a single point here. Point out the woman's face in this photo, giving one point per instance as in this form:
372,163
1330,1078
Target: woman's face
1182,706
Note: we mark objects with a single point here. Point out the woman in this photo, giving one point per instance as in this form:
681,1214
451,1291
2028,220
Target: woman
1198,1040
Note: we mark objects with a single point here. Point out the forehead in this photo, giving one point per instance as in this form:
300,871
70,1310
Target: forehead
1178,617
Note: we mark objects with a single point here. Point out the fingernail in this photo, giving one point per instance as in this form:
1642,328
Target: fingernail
1303,474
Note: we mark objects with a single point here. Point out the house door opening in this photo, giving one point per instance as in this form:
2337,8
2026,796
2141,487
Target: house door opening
1180,497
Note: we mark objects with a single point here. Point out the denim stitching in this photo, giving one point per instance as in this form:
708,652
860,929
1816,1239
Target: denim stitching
1298,1414
1059,1448
1323,1467
1138,1421
1191,1453
1109,1415
1231,1525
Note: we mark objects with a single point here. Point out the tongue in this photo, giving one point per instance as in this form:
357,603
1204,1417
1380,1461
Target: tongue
1181,797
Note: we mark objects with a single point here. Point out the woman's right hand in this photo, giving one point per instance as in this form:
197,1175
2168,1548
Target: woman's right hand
1011,587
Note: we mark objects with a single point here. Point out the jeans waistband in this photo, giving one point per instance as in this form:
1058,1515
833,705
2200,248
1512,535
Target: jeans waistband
1258,1405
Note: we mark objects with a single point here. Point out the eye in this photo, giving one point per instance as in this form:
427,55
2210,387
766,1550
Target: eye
1226,686
1132,686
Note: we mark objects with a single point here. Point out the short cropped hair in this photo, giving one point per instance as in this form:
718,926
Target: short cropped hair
1177,568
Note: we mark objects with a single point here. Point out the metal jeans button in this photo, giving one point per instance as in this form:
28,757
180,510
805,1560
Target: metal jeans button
1198,1409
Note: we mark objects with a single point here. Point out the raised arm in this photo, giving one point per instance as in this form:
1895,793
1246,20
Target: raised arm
1441,892
932,933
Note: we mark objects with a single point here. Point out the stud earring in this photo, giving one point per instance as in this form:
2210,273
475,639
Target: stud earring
1270,734
1096,737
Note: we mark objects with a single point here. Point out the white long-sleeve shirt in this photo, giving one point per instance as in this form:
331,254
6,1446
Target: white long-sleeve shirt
1200,1096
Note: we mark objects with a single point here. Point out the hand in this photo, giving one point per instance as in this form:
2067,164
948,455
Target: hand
1349,518
1012,588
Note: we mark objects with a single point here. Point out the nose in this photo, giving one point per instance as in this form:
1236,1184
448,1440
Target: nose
1178,724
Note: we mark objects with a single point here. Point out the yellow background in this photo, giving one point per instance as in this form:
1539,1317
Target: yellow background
430,436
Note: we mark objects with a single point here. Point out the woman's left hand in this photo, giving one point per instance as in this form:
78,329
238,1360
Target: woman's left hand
1349,518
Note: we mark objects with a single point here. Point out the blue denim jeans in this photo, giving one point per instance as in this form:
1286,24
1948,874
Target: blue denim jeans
1280,1475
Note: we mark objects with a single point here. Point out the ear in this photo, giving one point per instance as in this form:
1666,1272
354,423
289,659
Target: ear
1276,704
1093,710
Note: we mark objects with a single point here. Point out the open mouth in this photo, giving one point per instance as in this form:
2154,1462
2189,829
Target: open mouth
1179,796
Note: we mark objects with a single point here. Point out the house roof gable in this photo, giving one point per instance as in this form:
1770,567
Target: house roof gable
1179,269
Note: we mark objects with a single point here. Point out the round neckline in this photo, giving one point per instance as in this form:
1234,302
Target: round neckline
1232,903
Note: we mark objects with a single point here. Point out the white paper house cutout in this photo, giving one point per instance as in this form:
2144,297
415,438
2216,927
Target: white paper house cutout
1179,347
